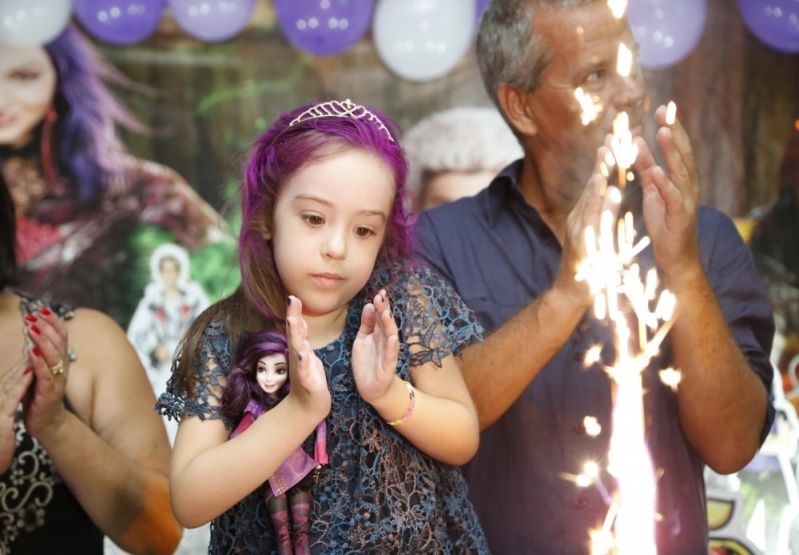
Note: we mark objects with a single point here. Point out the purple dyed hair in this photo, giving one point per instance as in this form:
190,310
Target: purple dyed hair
88,150
279,154
242,385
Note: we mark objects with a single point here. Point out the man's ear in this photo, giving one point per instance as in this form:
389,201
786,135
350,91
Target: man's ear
513,102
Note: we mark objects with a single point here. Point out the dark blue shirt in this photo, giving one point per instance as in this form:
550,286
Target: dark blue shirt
499,254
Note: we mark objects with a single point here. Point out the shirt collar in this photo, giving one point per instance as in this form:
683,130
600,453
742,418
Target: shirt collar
504,187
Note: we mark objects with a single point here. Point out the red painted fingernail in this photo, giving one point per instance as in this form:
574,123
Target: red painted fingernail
46,311
31,318
35,329
37,351
28,370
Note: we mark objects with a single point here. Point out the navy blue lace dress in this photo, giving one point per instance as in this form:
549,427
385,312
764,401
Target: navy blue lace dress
379,494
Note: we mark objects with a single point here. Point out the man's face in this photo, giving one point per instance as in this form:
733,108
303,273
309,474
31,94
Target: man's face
583,45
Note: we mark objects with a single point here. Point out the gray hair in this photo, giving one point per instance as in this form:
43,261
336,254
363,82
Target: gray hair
507,49
458,140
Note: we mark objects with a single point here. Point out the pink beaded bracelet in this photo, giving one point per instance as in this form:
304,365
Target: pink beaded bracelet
409,410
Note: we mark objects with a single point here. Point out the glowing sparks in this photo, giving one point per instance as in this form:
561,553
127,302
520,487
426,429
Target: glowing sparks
671,113
591,469
624,149
592,426
592,355
625,297
589,106
624,60
670,377
617,8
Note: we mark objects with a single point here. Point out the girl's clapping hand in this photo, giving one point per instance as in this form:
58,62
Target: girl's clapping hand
375,350
306,372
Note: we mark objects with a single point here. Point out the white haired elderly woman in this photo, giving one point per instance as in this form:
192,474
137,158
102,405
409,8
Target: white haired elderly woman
456,153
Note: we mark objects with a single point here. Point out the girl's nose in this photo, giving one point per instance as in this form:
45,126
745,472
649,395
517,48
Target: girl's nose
335,246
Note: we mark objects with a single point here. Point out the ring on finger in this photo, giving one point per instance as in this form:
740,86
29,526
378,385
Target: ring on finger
58,368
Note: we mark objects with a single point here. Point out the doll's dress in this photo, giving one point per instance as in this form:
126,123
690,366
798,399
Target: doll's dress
38,512
299,464
379,493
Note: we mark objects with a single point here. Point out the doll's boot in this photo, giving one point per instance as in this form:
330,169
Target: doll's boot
300,511
279,513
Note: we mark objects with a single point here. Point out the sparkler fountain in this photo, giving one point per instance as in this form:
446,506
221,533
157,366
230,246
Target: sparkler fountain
630,304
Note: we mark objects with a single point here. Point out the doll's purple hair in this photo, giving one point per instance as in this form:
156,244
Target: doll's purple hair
85,137
241,383
279,153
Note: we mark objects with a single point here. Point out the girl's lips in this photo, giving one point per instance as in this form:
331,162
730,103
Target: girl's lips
327,279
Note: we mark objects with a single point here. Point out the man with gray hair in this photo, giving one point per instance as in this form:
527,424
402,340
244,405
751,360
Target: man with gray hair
512,252
456,153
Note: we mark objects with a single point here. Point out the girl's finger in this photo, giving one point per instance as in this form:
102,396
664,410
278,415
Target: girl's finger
368,319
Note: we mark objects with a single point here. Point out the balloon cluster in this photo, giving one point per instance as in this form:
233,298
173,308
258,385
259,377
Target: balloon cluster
417,39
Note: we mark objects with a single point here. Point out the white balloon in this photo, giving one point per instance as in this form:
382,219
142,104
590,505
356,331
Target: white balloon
32,22
421,40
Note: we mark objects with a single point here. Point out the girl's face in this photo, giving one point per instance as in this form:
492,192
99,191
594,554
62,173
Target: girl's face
272,373
27,86
329,223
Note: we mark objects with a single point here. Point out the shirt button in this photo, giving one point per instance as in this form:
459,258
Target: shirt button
580,504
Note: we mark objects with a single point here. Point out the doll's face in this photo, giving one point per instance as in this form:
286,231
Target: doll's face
170,271
27,86
272,373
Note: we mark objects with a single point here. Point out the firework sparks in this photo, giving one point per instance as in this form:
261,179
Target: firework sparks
671,113
640,319
589,106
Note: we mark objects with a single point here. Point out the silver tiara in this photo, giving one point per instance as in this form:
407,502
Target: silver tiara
341,109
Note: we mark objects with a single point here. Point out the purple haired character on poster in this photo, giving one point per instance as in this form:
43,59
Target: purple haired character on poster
258,381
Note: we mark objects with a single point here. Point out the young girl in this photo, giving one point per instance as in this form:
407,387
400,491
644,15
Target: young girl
324,247
257,382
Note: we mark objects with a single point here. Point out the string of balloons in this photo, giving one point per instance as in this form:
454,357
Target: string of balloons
418,40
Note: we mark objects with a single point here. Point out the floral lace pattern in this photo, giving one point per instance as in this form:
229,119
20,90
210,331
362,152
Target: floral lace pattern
379,494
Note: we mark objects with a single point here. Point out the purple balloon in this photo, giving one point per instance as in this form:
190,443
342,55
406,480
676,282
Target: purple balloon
666,30
212,20
119,21
775,22
324,27
481,7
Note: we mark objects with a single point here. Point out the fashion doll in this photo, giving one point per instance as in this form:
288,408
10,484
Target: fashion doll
258,382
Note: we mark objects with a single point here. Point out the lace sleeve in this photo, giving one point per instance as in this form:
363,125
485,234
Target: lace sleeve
434,320
207,380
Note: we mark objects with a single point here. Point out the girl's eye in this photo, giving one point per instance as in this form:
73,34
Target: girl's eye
280,371
364,232
313,219
261,370
23,75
